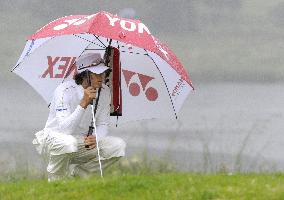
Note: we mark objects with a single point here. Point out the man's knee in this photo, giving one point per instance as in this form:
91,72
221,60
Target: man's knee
58,164
113,147
119,144
60,146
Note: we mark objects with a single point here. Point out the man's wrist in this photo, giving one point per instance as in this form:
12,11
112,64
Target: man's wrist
83,104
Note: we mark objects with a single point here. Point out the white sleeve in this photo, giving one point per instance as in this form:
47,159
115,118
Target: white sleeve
103,117
67,119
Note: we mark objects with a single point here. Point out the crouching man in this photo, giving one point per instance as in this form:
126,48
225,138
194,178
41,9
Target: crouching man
64,143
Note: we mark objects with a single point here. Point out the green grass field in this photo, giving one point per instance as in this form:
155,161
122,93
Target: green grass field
156,186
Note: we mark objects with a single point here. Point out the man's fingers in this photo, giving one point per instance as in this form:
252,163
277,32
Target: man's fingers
92,146
91,137
92,94
91,89
90,140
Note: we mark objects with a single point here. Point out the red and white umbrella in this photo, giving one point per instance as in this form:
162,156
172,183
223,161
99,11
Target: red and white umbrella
153,82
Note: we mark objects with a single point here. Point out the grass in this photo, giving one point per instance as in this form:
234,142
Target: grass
150,186
143,178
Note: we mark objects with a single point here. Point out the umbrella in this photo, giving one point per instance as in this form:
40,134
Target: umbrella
147,79
148,72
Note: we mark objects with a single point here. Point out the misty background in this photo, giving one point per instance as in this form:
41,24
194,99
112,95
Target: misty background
233,51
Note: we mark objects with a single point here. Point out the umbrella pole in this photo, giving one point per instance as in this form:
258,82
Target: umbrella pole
107,54
97,143
92,128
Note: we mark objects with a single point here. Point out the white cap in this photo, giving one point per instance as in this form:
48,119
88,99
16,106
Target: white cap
92,62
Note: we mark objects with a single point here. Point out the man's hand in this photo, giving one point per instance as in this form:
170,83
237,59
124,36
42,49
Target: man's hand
89,95
90,141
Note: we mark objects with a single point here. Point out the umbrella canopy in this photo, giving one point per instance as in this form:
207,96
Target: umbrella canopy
153,82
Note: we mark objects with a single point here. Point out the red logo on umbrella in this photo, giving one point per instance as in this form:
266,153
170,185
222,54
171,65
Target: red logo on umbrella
134,88
76,22
59,67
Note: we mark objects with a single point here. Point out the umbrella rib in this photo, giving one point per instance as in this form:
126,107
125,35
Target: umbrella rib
131,52
30,54
117,44
16,66
100,40
55,37
96,49
164,82
89,40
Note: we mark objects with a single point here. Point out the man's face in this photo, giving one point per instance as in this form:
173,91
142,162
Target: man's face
95,79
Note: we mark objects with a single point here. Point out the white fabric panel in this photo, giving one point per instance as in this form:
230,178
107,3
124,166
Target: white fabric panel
178,88
60,51
143,106
31,45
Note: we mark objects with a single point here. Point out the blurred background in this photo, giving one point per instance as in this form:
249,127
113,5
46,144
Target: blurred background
233,51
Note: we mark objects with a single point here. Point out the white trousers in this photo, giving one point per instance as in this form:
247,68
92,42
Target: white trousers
78,161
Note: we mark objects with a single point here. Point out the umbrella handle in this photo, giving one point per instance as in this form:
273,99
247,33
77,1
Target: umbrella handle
94,110
90,132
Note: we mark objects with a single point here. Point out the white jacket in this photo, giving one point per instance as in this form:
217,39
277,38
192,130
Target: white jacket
68,117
